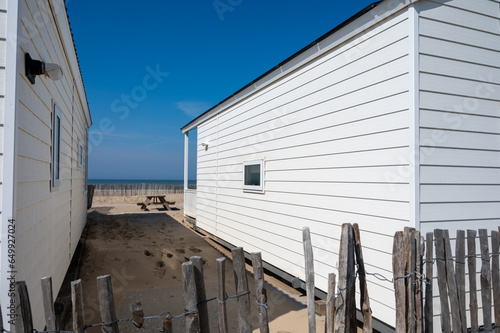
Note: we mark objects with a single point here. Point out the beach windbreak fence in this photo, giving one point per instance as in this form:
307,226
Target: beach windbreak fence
415,259
138,189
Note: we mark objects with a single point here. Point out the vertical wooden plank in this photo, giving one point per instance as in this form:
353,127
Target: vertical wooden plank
346,304
167,324
471,265
460,275
309,268
363,289
24,320
77,306
456,318
137,314
107,304
240,278
260,291
221,274
442,282
418,281
398,269
200,293
428,310
330,304
485,278
48,303
495,278
192,322
411,255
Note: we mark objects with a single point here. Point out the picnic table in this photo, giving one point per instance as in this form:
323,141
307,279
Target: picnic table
156,199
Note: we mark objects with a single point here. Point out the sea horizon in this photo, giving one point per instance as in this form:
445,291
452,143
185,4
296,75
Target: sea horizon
97,181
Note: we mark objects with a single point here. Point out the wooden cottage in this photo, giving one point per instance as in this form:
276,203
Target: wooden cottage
44,122
392,119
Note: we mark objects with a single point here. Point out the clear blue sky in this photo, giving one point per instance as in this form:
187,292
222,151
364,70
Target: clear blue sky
150,67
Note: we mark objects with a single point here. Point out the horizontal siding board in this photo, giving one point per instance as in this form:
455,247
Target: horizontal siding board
458,104
459,211
378,174
459,139
458,34
459,175
3,23
451,50
462,17
456,86
459,121
459,157
460,193
456,68
487,8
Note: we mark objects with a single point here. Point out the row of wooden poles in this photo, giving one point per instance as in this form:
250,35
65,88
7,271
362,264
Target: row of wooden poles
136,189
414,307
413,261
195,302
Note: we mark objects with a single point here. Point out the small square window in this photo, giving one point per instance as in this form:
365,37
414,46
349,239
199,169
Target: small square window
80,154
56,147
253,176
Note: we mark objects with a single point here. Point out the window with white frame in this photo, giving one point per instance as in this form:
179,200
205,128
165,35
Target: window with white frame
80,154
56,146
253,176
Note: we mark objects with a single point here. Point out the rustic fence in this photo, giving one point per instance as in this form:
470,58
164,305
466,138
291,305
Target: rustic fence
413,271
138,189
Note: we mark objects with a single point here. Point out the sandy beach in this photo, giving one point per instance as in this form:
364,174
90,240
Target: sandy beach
143,252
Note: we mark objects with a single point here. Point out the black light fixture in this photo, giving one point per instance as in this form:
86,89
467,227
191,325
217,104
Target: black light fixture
37,67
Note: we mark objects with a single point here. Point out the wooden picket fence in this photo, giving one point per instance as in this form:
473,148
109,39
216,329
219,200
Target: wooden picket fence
413,272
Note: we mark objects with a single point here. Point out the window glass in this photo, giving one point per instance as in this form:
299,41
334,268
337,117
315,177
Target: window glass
253,176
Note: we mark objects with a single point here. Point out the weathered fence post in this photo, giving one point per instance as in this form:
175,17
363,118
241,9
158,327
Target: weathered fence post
200,293
77,306
221,296
428,309
495,279
364,300
471,265
260,291
411,269
48,303
190,299
167,324
398,268
137,314
460,275
90,195
345,320
107,304
24,320
420,248
330,304
442,284
241,281
485,278
309,270
452,285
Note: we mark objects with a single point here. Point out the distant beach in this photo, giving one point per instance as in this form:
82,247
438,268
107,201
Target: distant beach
132,187
140,181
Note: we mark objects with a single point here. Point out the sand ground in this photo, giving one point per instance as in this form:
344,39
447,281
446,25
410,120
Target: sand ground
143,252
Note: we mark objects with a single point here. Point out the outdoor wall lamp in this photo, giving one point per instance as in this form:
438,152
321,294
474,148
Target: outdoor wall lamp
205,144
37,67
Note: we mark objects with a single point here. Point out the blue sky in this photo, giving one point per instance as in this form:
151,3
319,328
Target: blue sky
149,67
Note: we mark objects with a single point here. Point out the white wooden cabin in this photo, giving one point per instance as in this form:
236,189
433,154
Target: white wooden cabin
390,120
43,135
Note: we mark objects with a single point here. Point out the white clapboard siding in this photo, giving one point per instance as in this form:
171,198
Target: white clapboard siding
459,117
50,222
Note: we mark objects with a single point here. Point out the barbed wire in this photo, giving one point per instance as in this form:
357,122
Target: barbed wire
160,316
